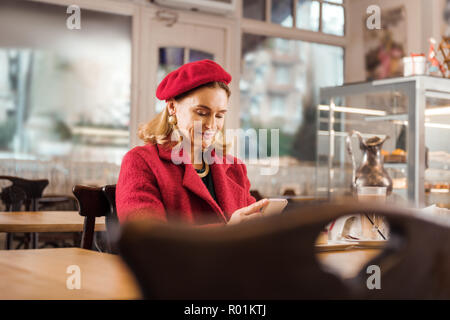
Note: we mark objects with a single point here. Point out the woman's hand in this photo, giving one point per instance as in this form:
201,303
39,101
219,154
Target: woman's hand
248,213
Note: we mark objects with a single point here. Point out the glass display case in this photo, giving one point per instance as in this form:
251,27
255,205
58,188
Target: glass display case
414,112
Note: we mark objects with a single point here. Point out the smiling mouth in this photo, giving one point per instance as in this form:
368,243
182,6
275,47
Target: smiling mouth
208,135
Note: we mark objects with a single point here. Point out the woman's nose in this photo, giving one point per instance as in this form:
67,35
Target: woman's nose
210,122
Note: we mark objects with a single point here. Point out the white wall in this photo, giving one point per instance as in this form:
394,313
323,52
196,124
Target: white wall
423,20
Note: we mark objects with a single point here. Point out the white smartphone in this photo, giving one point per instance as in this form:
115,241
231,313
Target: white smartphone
275,206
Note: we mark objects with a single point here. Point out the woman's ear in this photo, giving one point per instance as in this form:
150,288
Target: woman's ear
171,107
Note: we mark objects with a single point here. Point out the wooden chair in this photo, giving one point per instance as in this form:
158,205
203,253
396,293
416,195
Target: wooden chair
112,222
274,258
92,204
13,198
35,201
33,190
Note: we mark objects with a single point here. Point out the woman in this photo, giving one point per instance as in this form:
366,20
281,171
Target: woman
153,182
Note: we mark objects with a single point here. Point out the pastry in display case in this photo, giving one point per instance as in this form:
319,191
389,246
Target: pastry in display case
437,179
396,156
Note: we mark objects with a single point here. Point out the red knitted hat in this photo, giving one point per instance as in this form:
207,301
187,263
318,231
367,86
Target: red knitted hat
190,76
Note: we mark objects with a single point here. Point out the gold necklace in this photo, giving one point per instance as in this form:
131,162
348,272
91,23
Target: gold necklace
204,173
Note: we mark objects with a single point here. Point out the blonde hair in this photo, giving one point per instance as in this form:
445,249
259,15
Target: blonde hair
159,130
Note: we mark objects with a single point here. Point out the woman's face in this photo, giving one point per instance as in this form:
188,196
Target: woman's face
206,107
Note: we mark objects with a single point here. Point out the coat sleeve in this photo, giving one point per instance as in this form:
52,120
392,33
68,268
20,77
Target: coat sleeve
137,192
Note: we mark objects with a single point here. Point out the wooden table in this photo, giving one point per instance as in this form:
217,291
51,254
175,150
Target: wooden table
45,221
346,263
42,274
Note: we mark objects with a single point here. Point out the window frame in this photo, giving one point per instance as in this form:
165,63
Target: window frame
270,29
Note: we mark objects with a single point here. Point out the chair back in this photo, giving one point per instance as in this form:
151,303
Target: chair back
274,258
13,198
92,204
112,221
32,188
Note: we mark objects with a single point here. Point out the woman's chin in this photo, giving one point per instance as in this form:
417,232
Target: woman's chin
206,145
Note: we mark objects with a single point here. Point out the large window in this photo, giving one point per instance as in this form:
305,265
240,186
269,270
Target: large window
280,84
63,93
282,71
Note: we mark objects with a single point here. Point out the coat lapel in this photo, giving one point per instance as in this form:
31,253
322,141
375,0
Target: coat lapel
193,182
229,193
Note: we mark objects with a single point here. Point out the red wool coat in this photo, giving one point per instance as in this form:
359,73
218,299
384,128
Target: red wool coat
151,185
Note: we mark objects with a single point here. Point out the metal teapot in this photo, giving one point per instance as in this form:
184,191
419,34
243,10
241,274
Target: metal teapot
371,172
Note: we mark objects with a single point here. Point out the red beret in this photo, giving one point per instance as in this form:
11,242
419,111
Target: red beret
190,76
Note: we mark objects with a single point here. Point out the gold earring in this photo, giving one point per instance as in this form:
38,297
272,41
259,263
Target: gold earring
172,120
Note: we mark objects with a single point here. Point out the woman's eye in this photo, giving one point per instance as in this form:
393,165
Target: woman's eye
200,113
219,116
